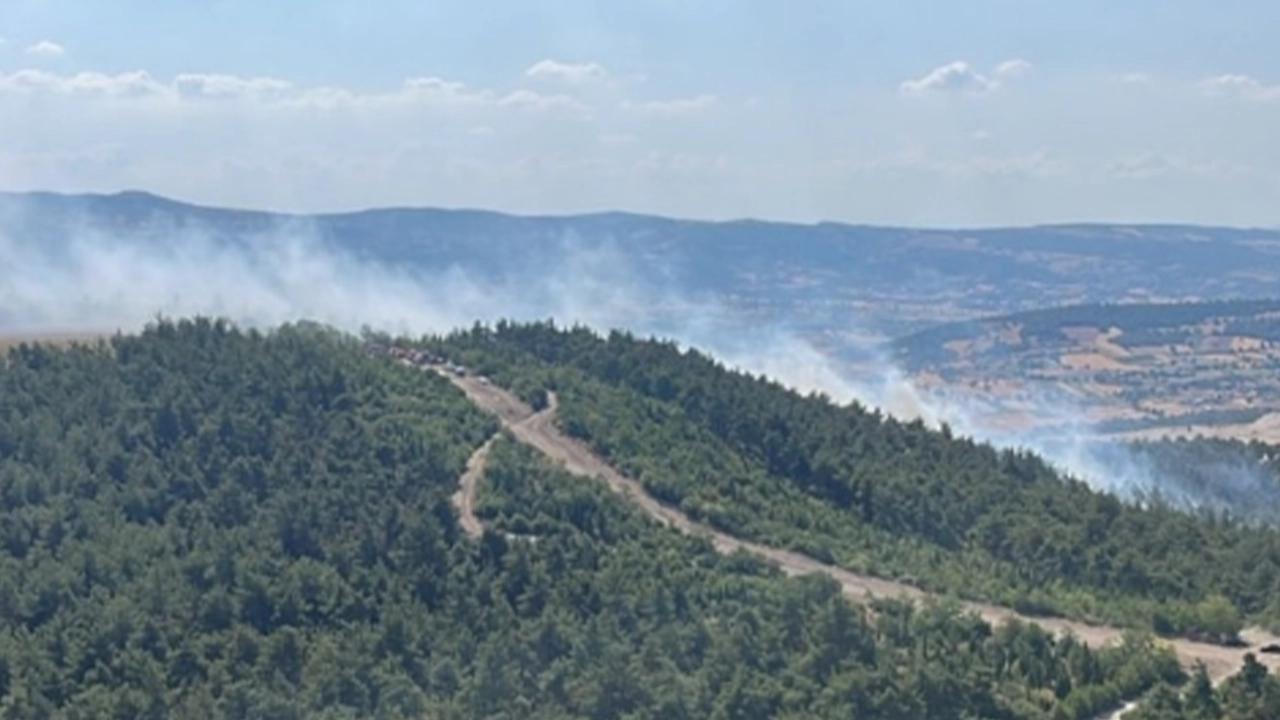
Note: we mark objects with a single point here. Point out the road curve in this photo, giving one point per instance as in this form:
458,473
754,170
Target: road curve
538,430
464,500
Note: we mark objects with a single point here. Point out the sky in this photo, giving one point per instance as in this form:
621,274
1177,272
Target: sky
989,112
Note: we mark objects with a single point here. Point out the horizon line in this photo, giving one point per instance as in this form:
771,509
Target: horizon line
1059,224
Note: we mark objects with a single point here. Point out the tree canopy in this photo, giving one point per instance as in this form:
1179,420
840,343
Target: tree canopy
869,492
205,522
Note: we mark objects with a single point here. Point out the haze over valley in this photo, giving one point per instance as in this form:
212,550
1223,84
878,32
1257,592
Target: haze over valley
877,315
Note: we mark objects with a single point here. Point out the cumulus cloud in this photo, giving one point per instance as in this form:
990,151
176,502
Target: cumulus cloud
571,73
127,84
1241,86
961,77
1015,68
46,49
956,76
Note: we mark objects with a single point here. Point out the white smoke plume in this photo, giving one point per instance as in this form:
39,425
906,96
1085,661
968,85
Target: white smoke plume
1232,480
100,281
95,280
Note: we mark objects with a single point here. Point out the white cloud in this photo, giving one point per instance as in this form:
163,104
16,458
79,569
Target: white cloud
421,91
220,85
1015,68
46,49
414,93
956,76
128,84
432,85
527,146
572,73
674,107
961,77
1242,86
426,91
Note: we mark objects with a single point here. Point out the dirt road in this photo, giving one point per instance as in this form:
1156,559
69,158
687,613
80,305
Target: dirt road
464,500
538,430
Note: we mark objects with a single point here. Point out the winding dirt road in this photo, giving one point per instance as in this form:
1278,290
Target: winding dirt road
538,430
464,500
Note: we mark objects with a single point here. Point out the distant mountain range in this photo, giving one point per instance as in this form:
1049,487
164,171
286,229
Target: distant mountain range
825,279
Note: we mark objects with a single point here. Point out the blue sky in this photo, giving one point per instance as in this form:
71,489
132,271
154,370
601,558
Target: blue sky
915,113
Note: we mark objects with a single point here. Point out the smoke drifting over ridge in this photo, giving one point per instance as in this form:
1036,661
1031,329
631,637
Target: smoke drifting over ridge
98,280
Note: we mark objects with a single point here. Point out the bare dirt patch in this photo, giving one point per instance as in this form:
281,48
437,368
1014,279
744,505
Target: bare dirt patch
1091,361
464,500
1265,429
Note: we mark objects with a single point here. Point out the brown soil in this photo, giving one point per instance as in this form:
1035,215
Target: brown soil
1092,362
464,500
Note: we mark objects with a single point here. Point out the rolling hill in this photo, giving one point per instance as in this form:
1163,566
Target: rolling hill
1171,369
203,521
832,282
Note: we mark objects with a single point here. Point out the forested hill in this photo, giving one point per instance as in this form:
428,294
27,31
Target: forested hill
868,492
204,522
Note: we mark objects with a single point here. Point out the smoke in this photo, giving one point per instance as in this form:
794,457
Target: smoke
1221,477
97,280
92,279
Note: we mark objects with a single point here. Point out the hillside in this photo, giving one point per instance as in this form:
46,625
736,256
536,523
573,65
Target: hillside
830,282
200,521
872,493
1172,369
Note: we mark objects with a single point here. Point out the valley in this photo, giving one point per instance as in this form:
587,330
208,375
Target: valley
1134,371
